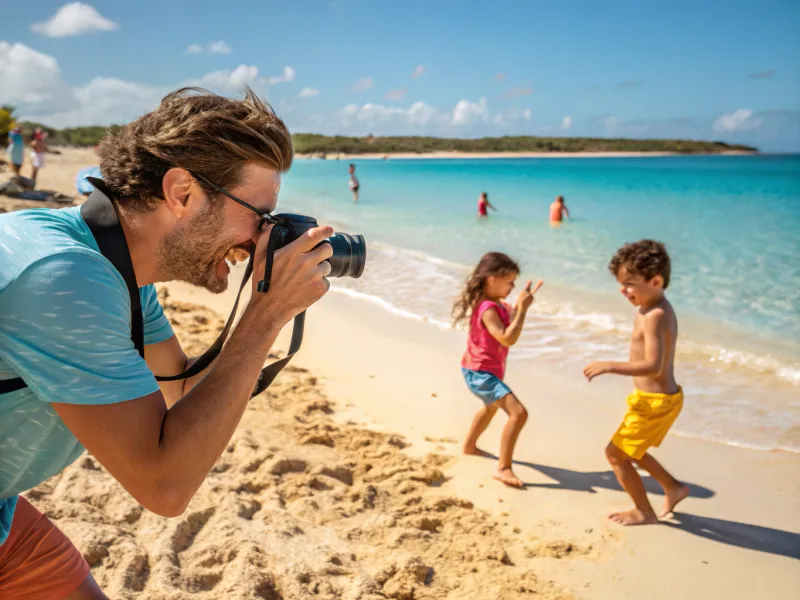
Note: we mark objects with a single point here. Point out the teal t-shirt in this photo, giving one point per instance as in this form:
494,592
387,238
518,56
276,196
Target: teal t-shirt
65,328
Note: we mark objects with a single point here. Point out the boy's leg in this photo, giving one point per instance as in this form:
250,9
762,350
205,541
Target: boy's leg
629,479
517,417
674,490
479,424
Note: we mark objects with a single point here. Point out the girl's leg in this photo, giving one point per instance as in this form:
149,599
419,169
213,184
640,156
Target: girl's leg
517,417
479,424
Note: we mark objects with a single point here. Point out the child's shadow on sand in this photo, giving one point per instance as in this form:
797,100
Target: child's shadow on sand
743,535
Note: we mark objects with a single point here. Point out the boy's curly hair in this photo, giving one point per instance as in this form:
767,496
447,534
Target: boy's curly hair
646,258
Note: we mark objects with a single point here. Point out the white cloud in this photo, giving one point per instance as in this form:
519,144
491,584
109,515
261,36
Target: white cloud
498,119
106,100
396,95
28,77
466,112
527,114
74,18
288,75
566,123
227,81
363,84
219,47
418,71
308,92
739,120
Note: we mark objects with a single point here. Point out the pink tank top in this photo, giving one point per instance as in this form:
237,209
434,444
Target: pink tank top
484,353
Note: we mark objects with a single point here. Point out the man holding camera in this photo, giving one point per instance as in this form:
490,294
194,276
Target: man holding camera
190,182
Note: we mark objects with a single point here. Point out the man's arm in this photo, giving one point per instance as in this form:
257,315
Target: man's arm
162,455
168,358
651,365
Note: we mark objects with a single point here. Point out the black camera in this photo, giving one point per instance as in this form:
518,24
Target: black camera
349,251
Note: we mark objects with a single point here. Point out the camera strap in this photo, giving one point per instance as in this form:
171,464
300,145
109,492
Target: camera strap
100,214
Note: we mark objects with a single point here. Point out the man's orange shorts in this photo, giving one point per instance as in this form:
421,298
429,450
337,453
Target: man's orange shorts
37,561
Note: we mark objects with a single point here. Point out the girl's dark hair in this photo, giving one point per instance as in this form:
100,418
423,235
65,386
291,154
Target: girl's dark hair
494,264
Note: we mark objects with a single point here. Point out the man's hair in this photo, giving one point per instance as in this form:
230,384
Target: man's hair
196,130
646,258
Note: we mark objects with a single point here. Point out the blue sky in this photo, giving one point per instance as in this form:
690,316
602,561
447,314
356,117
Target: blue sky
702,69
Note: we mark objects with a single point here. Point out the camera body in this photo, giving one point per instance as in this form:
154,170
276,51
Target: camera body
349,251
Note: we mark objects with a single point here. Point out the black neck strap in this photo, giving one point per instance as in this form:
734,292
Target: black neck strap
100,214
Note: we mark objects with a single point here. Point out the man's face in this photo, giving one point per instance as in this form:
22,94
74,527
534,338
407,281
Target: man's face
197,251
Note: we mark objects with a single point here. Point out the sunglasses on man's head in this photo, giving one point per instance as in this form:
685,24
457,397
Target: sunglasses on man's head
264,217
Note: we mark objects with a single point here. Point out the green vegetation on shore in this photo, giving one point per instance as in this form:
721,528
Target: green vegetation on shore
306,143
310,143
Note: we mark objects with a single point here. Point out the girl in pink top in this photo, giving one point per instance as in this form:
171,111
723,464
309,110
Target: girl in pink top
494,326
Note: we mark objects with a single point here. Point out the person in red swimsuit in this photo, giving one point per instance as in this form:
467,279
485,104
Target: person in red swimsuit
483,204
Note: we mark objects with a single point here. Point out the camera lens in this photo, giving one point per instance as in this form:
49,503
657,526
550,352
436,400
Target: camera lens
349,255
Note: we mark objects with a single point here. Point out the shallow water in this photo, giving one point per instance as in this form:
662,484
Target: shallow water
730,223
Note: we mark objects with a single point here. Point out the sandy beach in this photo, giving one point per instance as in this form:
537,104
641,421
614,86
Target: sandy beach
345,481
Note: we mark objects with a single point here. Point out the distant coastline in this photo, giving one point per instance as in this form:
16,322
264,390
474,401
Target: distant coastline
482,155
312,145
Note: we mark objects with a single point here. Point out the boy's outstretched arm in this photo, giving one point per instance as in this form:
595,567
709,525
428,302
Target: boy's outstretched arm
653,362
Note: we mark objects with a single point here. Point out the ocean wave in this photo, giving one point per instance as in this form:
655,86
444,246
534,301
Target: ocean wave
389,307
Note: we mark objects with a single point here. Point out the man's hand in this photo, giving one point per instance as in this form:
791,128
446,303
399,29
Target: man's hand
595,369
299,270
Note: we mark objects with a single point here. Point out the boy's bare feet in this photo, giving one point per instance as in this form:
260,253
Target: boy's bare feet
475,451
507,476
633,517
672,497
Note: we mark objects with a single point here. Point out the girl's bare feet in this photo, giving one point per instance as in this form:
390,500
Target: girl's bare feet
475,451
633,517
672,497
507,476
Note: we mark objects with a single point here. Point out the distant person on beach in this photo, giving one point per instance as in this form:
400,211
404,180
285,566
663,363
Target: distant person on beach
557,211
38,147
484,204
642,270
494,326
354,184
16,149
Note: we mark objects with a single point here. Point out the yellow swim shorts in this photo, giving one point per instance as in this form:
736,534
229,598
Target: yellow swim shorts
649,417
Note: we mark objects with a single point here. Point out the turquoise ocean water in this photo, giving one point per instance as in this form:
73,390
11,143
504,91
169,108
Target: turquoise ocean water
731,225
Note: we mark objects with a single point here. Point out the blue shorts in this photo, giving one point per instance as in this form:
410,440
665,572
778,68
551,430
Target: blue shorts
489,388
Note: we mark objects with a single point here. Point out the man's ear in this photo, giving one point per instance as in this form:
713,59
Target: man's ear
179,190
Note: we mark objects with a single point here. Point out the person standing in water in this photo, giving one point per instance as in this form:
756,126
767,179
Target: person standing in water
484,204
557,211
354,184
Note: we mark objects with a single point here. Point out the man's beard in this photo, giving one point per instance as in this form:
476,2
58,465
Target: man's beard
193,253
